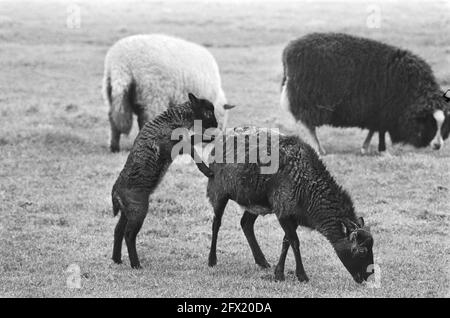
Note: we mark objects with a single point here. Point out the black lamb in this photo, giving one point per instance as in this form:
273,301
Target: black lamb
346,81
301,192
146,165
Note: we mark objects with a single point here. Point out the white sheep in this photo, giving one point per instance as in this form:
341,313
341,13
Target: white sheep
146,74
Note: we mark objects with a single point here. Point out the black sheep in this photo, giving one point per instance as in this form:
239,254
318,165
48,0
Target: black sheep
146,165
301,192
346,81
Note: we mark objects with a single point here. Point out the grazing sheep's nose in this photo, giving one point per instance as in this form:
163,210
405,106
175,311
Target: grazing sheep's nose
436,146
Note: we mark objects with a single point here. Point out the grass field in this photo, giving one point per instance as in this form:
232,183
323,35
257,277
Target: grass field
56,171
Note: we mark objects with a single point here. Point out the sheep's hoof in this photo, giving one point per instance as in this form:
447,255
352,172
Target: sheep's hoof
385,154
117,260
364,151
114,148
136,266
302,278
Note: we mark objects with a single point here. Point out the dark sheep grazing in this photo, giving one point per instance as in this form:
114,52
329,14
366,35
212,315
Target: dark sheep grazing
346,81
146,165
301,192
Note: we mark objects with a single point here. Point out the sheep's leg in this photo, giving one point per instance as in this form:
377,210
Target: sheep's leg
131,230
142,117
218,213
279,269
247,224
365,146
120,116
115,137
119,232
318,146
381,141
290,226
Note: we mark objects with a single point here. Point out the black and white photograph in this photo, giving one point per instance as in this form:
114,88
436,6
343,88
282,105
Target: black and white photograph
248,151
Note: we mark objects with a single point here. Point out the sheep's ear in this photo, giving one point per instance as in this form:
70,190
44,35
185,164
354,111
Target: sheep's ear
360,221
228,106
192,98
195,105
447,95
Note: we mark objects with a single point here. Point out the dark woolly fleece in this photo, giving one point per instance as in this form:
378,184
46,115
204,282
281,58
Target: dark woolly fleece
145,167
300,192
346,81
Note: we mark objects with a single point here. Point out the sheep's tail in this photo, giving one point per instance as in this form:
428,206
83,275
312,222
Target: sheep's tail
116,206
118,94
284,79
204,169
283,82
207,172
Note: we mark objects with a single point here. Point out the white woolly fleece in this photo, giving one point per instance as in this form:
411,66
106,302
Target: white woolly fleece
164,69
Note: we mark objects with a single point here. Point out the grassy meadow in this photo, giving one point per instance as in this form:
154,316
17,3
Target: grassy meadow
56,171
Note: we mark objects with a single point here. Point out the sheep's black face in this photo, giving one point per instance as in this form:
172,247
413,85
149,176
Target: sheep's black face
203,110
423,128
425,131
355,252
446,126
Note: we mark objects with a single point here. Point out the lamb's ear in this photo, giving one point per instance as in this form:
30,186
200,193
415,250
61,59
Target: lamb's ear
345,229
192,98
360,221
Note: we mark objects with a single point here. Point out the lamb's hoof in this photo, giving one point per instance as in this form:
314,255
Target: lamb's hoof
117,260
212,262
268,277
364,151
136,266
322,152
302,278
264,264
279,277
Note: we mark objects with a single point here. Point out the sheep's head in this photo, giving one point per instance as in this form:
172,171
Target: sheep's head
426,123
355,249
203,110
